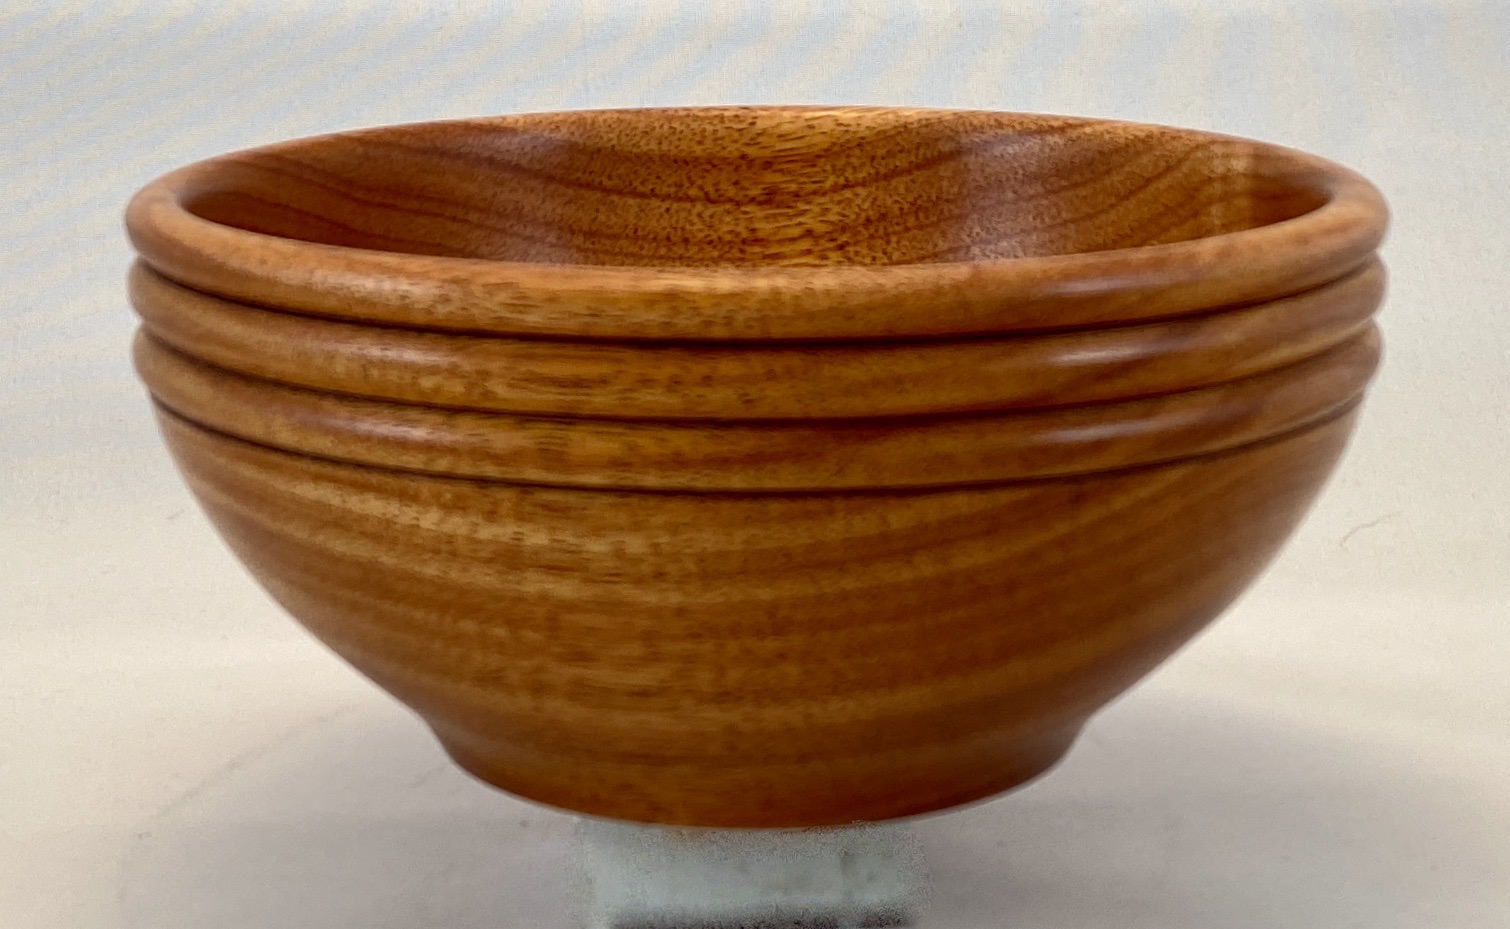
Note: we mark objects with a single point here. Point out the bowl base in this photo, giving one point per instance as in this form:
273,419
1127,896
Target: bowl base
768,797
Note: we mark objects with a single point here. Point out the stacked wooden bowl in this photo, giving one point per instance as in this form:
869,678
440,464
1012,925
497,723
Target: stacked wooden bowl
757,466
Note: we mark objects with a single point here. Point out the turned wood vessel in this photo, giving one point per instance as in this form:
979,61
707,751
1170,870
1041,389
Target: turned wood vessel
757,466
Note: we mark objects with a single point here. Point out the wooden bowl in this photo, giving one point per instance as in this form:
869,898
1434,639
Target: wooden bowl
757,466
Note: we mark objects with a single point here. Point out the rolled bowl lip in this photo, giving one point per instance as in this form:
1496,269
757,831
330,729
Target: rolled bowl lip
740,303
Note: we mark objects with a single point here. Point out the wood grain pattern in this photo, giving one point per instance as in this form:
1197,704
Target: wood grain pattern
755,660
757,466
803,455
802,223
755,381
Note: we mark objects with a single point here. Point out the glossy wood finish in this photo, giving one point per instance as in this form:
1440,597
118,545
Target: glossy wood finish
755,660
801,223
808,455
755,381
757,466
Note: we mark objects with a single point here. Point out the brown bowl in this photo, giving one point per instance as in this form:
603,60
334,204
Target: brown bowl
757,466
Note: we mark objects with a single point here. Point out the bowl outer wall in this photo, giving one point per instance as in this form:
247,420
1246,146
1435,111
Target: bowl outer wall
751,381
743,660
801,455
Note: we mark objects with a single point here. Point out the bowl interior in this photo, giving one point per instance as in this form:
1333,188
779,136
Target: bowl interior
751,186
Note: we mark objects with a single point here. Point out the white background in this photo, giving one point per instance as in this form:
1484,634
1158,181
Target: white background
176,753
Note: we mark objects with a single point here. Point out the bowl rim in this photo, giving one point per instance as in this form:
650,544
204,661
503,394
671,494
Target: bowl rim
738,303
